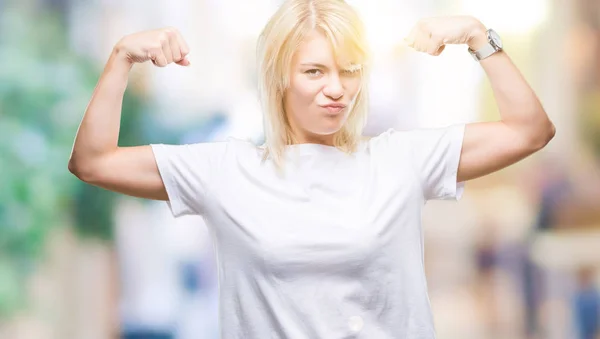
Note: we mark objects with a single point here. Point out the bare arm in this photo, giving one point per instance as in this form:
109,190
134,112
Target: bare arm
524,127
96,157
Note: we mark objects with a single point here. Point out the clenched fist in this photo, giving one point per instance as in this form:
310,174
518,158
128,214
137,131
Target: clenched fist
431,35
163,46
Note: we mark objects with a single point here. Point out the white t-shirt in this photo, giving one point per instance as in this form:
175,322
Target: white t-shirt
334,249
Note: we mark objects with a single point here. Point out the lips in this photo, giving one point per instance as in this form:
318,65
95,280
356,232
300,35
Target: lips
334,108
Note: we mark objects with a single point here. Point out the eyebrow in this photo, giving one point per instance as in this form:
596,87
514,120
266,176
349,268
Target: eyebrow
313,64
318,65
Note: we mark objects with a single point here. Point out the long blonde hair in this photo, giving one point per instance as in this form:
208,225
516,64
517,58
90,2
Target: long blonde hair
276,46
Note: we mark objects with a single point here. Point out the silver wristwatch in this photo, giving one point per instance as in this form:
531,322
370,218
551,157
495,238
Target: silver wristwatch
494,45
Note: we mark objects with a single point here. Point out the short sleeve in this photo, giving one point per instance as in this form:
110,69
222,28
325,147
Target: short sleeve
435,155
188,173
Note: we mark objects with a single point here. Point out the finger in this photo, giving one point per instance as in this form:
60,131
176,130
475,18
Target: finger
434,44
421,41
185,49
422,35
440,50
174,46
166,48
183,62
157,57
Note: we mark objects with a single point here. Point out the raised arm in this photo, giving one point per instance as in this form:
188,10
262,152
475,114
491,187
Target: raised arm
96,157
524,127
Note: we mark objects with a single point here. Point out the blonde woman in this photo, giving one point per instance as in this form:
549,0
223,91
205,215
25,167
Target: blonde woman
318,231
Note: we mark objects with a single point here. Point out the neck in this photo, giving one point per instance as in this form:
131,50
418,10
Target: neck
300,136
310,138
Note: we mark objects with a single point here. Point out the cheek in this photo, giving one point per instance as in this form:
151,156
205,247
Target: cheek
303,93
307,90
352,86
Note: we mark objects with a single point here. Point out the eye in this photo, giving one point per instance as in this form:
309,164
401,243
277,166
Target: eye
313,72
352,71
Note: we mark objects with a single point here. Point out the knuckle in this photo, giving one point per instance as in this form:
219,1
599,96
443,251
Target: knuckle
437,36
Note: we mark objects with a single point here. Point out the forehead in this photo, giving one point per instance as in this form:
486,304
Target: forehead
317,48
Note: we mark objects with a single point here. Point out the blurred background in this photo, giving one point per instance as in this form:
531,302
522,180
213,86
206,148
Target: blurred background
517,257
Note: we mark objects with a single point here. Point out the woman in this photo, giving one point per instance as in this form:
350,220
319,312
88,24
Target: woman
317,232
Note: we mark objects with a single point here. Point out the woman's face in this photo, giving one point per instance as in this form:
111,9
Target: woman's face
321,93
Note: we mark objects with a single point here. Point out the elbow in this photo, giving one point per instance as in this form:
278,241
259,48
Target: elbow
87,168
544,136
75,168
80,170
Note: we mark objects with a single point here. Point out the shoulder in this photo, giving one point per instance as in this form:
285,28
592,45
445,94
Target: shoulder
216,150
243,148
240,143
415,137
387,137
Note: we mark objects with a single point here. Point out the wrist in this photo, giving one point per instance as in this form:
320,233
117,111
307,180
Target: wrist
119,60
478,37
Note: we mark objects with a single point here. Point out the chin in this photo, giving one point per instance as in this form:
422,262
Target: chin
326,125
329,128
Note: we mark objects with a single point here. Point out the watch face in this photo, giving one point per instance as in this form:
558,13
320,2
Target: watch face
495,38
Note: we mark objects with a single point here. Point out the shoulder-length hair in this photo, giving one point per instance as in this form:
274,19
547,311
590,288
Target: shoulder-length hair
277,44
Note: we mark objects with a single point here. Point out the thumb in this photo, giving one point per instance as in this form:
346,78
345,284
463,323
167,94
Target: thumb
439,50
183,62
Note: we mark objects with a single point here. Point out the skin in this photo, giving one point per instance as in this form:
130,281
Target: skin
524,127
316,79
96,158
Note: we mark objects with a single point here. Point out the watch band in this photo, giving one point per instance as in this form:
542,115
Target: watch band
484,52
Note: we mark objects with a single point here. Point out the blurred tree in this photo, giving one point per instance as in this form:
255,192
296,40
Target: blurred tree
44,90
590,119
588,14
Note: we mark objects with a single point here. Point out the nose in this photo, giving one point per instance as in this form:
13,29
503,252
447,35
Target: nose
334,88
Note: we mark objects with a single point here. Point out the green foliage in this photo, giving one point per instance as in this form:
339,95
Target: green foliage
44,90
